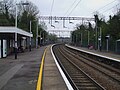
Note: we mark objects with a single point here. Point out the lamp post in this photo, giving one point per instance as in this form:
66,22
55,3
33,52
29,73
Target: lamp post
37,35
88,38
42,37
30,37
107,42
81,40
16,34
16,27
100,39
96,31
17,11
76,40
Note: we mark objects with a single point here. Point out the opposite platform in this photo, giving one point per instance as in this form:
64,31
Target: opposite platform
97,52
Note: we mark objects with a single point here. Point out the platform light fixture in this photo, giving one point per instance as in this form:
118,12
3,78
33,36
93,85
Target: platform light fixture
16,27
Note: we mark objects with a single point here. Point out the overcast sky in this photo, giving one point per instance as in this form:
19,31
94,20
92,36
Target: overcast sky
84,8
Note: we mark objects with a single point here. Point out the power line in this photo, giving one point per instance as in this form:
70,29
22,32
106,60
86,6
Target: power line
110,8
74,7
51,7
70,7
105,6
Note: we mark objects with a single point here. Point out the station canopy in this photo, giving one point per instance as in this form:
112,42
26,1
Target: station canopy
118,40
12,30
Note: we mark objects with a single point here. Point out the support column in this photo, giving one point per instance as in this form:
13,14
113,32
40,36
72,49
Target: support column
16,46
30,37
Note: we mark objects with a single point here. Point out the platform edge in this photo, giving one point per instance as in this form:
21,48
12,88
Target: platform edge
69,86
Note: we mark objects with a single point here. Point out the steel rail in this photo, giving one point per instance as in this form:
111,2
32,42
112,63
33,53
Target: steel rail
111,76
92,80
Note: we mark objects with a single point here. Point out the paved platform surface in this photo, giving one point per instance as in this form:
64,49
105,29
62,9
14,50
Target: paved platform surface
52,80
22,73
104,53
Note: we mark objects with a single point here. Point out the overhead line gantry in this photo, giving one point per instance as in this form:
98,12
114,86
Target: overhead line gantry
50,18
65,18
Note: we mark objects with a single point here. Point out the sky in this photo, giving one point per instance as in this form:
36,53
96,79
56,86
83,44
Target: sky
84,8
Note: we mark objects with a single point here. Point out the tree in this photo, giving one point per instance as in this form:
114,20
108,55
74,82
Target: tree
3,20
76,35
111,27
26,14
52,38
114,26
6,8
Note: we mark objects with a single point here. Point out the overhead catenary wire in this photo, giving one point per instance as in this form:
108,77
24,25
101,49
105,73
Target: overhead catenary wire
105,5
70,7
52,7
110,8
74,7
105,9
50,20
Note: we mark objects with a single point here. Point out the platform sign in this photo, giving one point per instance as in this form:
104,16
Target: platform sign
4,48
0,48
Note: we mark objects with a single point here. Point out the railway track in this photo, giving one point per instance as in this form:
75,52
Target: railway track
79,79
107,70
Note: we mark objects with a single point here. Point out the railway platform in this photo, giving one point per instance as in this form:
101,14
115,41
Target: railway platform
52,79
102,53
21,73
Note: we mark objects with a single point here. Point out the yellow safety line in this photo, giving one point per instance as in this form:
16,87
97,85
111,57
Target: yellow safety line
39,82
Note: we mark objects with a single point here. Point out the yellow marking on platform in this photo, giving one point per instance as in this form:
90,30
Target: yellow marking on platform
39,82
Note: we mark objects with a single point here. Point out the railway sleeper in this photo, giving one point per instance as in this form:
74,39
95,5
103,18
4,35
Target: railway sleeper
87,88
86,85
81,79
85,81
78,77
81,76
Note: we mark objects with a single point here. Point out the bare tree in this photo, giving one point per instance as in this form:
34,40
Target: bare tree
6,6
27,13
31,9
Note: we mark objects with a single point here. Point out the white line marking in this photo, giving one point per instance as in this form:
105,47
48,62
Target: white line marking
61,72
94,54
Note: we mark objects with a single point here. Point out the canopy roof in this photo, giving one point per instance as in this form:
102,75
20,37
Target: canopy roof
118,40
15,30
